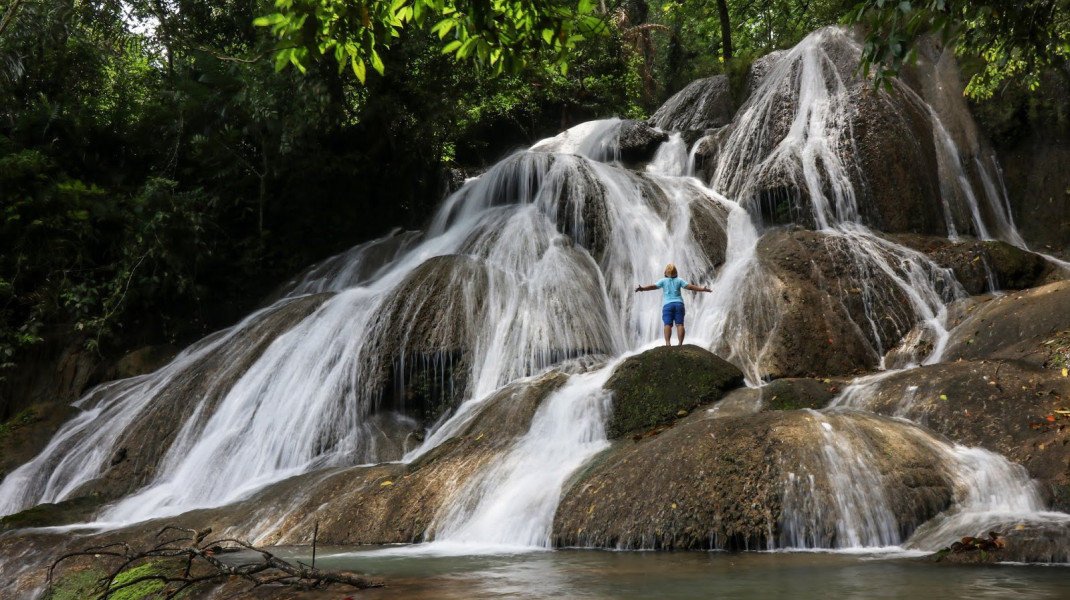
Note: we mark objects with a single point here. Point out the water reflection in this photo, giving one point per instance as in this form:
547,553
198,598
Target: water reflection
603,575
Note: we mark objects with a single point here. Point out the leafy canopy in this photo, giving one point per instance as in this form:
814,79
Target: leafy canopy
1002,40
496,34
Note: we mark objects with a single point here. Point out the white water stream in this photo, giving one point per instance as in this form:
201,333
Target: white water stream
547,248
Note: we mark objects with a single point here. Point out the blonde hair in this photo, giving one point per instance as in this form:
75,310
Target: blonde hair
670,270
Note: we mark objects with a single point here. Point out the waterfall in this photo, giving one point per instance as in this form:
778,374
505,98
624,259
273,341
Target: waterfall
532,264
537,260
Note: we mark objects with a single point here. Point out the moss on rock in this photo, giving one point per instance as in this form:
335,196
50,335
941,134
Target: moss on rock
47,515
652,388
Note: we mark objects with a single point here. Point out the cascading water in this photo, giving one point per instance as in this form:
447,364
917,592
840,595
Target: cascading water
531,264
513,502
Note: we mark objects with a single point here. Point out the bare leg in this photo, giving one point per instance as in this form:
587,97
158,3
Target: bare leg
680,333
668,334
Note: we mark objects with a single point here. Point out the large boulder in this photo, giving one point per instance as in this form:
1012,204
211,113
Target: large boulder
980,265
702,104
654,387
709,228
872,155
839,309
730,483
637,142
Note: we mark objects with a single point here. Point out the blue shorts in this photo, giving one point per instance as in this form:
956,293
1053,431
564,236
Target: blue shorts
673,311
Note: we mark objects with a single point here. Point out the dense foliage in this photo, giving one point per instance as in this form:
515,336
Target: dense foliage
1002,42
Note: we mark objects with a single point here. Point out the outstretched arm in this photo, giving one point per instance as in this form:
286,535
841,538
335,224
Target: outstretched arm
695,288
646,288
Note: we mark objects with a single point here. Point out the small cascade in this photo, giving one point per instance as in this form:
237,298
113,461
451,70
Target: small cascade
672,158
991,494
854,500
513,502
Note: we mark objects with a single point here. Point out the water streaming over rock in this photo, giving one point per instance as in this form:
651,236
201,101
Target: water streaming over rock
533,264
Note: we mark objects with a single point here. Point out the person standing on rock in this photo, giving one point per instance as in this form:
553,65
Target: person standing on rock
672,302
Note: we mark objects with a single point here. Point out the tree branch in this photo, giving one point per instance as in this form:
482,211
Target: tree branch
268,570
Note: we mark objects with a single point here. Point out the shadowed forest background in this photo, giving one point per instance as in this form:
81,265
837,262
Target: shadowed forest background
165,164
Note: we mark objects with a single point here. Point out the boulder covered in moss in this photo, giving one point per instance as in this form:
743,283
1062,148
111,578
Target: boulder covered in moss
654,387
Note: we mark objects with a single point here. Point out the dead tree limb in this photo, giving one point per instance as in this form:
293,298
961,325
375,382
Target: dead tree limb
201,565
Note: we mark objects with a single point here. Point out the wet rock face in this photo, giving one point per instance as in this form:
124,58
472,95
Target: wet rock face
1034,165
1021,325
654,387
884,141
720,483
709,228
702,104
758,70
428,329
978,265
799,393
825,326
638,142
893,144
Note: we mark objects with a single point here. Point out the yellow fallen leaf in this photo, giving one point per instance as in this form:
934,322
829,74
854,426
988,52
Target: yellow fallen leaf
674,505
386,483
590,510
1064,372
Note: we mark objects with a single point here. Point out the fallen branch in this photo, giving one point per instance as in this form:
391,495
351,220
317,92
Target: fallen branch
201,565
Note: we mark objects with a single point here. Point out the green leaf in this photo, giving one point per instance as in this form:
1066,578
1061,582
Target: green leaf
377,63
358,68
443,27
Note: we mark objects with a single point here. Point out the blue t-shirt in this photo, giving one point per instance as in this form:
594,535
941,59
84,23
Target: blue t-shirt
670,289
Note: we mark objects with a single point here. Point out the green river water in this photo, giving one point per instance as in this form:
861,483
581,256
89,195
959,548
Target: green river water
602,575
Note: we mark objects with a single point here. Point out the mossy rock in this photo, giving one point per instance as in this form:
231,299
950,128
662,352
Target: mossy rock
654,387
28,432
48,515
798,393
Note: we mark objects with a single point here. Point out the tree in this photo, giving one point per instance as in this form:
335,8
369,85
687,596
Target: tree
999,41
500,35
726,29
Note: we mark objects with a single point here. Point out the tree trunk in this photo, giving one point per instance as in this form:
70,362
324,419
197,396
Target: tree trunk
726,29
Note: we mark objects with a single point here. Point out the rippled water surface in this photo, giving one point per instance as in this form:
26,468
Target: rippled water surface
626,575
